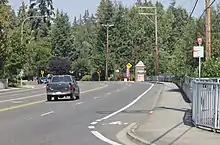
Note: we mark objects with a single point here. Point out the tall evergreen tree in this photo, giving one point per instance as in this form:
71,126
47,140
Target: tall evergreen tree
61,36
41,8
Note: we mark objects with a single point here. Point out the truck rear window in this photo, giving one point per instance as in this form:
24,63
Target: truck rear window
61,79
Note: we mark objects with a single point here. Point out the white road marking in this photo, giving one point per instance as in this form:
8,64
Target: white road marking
96,97
108,93
129,105
116,122
94,89
150,112
79,103
93,123
98,120
125,123
47,113
91,127
118,90
17,102
101,137
22,98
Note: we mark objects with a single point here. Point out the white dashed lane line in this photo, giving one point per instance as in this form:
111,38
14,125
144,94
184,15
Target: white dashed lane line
91,127
47,113
79,103
93,123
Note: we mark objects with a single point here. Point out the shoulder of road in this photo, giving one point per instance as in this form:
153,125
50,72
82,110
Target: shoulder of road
23,87
170,123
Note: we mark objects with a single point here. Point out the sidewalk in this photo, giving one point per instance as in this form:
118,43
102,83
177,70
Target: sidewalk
170,123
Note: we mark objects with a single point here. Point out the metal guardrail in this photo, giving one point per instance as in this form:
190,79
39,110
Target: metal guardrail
204,95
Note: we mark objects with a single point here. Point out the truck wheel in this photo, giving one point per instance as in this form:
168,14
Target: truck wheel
56,98
71,97
49,98
77,97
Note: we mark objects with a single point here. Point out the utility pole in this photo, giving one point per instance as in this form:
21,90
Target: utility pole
142,11
106,57
208,30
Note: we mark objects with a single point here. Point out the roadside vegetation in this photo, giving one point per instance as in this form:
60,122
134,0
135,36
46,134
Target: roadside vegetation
58,43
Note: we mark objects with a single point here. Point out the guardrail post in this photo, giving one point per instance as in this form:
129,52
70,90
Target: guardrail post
216,107
194,100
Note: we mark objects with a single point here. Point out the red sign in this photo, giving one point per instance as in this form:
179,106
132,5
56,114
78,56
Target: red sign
199,41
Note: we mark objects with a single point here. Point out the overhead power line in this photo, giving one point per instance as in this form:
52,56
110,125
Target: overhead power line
190,16
199,27
206,9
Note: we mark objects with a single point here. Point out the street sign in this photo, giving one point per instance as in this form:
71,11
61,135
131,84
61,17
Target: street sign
198,51
42,72
199,41
129,65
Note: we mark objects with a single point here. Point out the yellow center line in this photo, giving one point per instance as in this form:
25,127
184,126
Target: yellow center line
42,101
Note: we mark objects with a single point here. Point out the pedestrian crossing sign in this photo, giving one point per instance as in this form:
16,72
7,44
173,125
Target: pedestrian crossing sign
129,65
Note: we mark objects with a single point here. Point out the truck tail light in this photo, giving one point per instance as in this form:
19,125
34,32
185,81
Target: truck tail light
48,86
70,86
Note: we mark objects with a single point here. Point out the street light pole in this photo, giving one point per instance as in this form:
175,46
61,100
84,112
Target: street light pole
23,22
107,40
141,12
22,31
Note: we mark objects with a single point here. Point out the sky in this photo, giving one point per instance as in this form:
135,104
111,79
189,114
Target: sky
77,7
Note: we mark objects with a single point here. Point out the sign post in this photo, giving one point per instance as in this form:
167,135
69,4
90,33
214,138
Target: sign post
198,52
21,74
128,71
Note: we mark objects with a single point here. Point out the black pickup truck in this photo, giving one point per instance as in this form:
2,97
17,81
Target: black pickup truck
62,86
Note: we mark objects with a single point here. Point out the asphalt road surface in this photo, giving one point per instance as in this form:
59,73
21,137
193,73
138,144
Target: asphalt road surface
103,110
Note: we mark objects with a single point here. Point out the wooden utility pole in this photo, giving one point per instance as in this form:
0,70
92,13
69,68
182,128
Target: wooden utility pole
107,41
142,12
208,30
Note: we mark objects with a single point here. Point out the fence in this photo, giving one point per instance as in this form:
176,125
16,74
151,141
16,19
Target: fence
204,95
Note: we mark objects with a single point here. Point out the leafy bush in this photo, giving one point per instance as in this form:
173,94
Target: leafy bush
86,78
211,67
59,66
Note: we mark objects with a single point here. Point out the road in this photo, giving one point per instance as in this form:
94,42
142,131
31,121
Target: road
103,110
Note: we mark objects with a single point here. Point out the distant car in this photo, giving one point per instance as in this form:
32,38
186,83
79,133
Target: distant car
61,86
42,80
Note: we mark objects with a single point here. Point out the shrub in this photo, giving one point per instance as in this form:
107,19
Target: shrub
86,78
59,66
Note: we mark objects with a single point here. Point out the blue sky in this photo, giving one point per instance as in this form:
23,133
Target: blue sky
76,7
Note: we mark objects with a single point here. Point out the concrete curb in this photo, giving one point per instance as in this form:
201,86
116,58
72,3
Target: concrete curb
131,134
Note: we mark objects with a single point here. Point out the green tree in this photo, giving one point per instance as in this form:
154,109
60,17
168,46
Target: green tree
5,23
41,8
61,36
